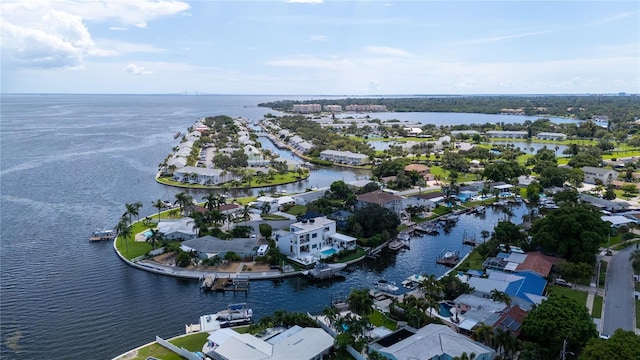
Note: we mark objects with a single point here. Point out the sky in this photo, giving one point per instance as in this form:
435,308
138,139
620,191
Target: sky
316,47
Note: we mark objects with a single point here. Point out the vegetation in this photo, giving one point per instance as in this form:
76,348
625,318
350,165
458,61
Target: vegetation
621,345
573,232
571,323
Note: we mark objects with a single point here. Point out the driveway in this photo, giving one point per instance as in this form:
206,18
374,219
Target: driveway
619,304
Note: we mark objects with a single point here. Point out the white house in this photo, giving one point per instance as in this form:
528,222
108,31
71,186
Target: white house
312,239
551,136
507,134
595,175
274,203
180,230
198,175
294,343
344,157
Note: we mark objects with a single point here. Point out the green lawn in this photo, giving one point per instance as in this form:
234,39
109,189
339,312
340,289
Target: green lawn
597,307
579,296
297,210
473,261
192,342
378,319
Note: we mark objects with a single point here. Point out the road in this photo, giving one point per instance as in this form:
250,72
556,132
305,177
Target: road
619,304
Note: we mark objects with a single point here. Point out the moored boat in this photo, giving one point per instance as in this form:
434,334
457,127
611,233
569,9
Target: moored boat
102,234
234,315
386,286
176,135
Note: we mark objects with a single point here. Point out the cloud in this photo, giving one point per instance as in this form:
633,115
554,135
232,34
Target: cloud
613,18
385,50
134,69
118,28
53,34
318,37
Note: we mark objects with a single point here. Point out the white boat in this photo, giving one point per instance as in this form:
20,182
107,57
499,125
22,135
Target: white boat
413,281
234,315
386,286
102,234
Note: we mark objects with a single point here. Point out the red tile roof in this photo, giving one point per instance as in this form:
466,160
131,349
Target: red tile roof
539,263
511,320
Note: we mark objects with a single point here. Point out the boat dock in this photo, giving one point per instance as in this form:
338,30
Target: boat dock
469,240
448,258
224,284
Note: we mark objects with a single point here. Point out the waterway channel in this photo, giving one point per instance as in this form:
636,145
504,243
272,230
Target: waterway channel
69,164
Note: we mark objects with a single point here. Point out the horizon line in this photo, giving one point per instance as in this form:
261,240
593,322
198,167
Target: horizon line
622,93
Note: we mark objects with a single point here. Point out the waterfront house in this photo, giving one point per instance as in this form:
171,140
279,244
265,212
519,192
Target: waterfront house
507,134
293,343
464,133
204,176
312,239
382,198
430,342
344,157
180,230
551,136
617,221
430,200
309,196
595,175
274,203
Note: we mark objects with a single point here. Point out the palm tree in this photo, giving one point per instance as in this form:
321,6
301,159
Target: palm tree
634,257
500,296
505,342
431,304
484,234
159,204
124,232
210,200
246,214
331,313
484,334
265,208
360,301
216,216
181,200
156,236
432,287
229,219
132,209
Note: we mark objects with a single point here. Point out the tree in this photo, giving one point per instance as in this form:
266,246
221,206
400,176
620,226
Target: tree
484,334
340,190
124,232
132,210
360,301
265,230
453,287
621,345
569,320
500,296
629,189
158,204
610,193
374,219
183,201
573,232
155,237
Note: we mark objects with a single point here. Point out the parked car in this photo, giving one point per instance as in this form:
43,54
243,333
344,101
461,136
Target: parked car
562,282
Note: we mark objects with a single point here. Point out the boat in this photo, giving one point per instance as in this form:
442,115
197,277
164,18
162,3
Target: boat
386,286
102,234
176,135
448,258
396,245
413,281
234,315
324,271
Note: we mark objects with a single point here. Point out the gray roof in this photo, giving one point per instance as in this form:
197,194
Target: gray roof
433,341
481,309
211,245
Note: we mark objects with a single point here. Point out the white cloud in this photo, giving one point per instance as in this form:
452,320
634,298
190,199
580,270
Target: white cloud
386,50
118,28
115,47
52,34
134,69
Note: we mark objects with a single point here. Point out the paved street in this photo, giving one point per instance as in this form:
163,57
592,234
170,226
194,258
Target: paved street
619,303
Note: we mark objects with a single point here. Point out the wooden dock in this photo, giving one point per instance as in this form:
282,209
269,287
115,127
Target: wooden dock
448,258
224,284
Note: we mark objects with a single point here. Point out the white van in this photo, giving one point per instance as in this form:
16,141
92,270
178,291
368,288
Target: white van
262,250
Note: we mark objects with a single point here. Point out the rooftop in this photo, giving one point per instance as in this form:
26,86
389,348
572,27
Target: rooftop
378,197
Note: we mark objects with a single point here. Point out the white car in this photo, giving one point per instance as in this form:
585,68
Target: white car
562,282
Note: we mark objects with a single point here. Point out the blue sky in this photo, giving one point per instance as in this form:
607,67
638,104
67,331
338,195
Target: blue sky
320,47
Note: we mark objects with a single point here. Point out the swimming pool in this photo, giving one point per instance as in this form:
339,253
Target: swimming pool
147,234
328,252
445,310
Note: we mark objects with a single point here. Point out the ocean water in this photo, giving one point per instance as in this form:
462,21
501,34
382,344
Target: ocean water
68,165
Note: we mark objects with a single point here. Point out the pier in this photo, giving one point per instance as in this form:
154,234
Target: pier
224,284
448,258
